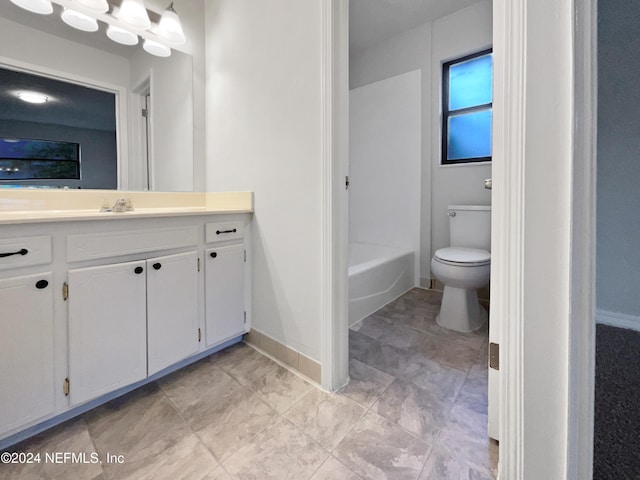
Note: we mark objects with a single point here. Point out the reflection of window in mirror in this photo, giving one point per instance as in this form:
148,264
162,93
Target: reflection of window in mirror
29,159
55,133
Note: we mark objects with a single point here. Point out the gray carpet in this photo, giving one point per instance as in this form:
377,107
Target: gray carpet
617,404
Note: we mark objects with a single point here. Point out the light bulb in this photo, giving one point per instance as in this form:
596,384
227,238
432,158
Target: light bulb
134,14
170,28
98,6
43,7
155,48
120,35
79,20
32,97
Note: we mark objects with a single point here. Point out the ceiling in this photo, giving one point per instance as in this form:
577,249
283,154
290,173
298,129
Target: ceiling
69,104
372,21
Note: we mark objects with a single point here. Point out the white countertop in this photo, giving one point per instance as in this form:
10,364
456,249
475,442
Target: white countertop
56,206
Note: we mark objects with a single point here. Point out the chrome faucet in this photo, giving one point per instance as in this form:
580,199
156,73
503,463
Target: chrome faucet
123,205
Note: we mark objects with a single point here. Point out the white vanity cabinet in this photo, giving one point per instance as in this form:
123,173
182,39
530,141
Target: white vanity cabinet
92,309
26,349
130,320
107,329
172,309
224,297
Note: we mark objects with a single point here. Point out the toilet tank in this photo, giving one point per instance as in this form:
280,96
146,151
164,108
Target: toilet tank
470,226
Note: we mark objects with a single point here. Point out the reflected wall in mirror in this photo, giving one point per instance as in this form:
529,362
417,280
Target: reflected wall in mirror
65,137
151,153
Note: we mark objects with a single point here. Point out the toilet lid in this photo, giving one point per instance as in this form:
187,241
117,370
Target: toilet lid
463,256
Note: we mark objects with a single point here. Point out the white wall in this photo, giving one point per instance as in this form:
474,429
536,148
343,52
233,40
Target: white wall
191,14
172,118
384,163
52,52
403,53
264,135
618,221
426,47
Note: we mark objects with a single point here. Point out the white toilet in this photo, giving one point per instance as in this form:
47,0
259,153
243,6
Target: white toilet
464,267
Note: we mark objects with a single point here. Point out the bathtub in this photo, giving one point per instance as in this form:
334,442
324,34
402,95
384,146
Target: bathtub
377,275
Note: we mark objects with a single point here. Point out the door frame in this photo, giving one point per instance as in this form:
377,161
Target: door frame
543,228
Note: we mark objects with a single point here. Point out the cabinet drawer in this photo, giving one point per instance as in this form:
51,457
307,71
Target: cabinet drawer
24,251
223,231
90,246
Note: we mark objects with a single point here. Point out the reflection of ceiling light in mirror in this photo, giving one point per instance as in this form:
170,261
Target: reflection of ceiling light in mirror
98,6
170,28
134,14
32,97
120,35
155,48
79,20
43,7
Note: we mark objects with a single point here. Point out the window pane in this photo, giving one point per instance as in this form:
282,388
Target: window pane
470,83
469,135
25,159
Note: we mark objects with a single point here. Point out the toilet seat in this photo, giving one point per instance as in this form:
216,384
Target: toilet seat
459,256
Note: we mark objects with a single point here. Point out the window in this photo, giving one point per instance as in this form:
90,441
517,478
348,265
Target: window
467,98
26,159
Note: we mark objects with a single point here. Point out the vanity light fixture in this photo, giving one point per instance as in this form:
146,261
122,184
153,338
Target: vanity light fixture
134,14
98,6
42,7
126,20
155,48
170,28
32,97
122,36
79,21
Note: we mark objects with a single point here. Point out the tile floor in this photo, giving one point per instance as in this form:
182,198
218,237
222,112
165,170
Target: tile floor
415,409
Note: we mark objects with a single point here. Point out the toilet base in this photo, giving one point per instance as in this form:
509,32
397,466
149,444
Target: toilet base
460,310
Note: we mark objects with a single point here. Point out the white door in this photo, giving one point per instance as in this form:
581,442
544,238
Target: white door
107,329
172,309
224,293
26,342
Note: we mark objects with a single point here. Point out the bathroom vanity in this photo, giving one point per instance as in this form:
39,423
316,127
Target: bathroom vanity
95,304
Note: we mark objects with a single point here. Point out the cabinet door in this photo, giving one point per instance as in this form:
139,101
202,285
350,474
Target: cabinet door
107,329
224,293
26,342
172,309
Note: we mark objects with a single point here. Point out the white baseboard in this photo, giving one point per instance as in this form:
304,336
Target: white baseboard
620,320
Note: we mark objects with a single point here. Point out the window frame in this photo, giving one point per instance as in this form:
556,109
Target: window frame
446,113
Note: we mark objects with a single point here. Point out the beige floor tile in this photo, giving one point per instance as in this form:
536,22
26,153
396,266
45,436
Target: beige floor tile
366,383
432,376
332,469
442,466
151,436
229,421
325,417
418,411
243,363
280,388
71,437
379,449
218,474
188,388
280,452
465,438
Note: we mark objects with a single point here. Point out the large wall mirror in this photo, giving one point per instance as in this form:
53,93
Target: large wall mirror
114,116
